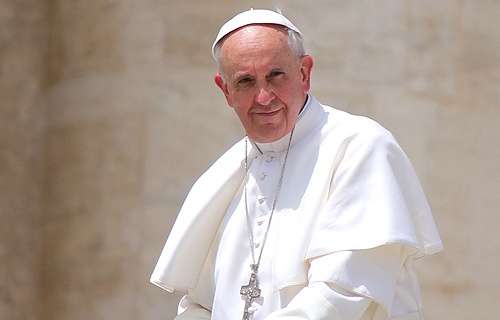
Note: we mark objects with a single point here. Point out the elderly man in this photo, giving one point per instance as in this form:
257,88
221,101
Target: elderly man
315,214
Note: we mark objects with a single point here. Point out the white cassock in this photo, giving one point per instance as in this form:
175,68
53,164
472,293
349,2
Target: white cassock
350,220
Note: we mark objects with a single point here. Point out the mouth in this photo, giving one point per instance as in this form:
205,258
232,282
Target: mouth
268,113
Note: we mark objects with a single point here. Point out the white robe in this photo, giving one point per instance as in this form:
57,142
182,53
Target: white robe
349,193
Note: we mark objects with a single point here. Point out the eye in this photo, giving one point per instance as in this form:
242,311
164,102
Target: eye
244,81
275,73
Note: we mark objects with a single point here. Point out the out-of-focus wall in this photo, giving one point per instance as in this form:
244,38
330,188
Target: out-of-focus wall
133,117
130,125
23,54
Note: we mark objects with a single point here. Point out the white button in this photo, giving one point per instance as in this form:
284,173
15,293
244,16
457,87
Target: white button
257,245
263,175
260,222
269,159
261,200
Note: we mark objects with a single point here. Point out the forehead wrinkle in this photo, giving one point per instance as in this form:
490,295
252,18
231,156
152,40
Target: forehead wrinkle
261,31
254,41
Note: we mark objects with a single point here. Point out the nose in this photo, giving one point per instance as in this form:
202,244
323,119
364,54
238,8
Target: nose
265,96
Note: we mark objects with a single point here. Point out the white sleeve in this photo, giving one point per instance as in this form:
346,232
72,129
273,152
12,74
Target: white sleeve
350,306
370,273
320,301
190,310
342,285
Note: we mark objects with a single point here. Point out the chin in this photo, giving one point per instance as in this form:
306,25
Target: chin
265,139
270,135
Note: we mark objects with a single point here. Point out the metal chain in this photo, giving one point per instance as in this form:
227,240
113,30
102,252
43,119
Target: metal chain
278,189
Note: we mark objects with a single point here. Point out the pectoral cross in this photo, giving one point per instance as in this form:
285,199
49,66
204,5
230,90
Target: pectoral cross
250,292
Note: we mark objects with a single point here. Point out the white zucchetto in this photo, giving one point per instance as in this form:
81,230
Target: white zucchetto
253,16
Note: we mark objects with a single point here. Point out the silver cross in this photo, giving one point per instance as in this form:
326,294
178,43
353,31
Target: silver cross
250,292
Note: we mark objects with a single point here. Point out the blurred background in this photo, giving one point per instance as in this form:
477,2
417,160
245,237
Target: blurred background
108,114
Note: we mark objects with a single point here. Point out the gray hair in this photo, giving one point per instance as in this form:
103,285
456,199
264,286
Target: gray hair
295,42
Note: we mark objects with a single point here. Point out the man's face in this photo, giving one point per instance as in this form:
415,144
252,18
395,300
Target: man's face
263,80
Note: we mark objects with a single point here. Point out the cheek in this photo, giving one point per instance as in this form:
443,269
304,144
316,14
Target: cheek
242,100
287,93
289,86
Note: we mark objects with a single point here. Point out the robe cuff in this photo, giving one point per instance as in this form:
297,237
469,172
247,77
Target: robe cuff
369,273
322,301
348,305
189,310
309,303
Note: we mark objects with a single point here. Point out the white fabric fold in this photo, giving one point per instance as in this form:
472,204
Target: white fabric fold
309,303
347,304
190,310
188,243
375,199
369,273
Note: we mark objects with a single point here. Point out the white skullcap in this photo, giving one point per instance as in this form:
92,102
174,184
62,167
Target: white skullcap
257,16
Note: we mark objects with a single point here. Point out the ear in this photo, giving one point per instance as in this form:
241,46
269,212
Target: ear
219,81
307,63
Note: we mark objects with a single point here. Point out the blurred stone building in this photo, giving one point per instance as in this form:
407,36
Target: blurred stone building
108,113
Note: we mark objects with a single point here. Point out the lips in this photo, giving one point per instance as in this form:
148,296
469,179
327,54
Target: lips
268,113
